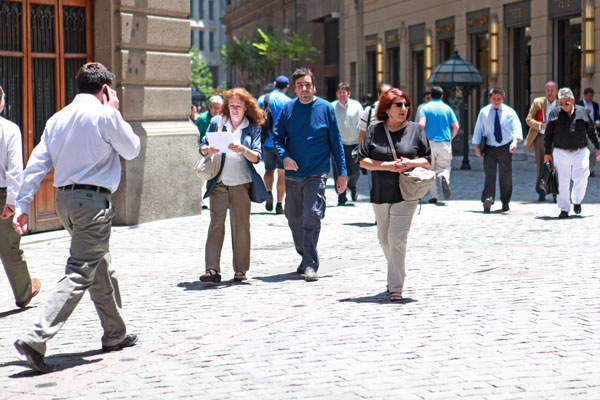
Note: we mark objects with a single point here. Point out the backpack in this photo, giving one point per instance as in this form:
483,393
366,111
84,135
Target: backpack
268,124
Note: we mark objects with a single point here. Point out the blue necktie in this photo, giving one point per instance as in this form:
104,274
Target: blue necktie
497,128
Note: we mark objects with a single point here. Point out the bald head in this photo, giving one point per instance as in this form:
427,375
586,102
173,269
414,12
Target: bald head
551,91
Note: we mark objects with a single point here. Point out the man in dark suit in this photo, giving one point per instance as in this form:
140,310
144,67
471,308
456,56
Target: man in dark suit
592,108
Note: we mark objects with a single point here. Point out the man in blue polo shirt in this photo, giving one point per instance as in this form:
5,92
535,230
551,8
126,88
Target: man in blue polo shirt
306,135
277,98
441,126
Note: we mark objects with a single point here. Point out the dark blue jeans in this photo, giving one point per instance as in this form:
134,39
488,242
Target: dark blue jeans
304,209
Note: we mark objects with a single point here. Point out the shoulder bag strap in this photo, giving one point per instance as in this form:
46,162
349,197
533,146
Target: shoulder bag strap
389,137
369,116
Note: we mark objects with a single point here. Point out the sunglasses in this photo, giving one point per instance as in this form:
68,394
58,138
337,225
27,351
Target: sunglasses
566,103
402,105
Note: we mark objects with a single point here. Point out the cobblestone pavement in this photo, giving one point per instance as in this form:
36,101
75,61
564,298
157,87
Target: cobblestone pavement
499,306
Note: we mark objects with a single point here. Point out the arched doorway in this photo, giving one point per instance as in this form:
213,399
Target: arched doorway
42,45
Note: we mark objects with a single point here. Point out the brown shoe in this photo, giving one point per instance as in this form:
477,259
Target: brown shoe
35,289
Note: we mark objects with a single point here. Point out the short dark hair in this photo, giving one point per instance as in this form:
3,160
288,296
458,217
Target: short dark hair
369,98
588,90
344,86
303,71
426,93
92,76
437,92
497,90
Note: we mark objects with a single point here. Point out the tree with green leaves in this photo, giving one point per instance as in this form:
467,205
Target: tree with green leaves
201,78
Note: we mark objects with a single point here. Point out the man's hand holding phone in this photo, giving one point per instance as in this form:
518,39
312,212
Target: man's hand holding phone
110,97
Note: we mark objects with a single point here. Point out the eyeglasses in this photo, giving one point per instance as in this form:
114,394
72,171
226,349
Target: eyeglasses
566,103
402,105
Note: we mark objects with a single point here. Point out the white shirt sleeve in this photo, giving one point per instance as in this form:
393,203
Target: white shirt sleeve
39,164
14,153
121,136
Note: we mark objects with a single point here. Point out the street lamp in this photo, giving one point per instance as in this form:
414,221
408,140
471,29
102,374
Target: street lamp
456,72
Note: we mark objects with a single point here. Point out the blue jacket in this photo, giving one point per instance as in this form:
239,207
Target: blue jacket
251,139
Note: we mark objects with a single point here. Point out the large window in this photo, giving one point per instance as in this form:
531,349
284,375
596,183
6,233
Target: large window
393,66
201,40
200,9
211,41
568,54
445,49
210,10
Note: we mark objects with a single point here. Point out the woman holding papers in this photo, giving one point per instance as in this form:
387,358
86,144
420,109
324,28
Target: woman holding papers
237,183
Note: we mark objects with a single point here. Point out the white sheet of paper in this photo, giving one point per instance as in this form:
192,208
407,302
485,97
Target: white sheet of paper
220,140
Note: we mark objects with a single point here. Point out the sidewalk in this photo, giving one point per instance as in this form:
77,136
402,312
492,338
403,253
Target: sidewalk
499,306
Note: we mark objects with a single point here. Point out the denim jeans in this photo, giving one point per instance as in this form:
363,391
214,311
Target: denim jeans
304,209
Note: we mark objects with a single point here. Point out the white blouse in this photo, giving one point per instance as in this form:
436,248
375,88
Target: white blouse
235,169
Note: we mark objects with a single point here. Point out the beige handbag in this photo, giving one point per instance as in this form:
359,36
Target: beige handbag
207,167
415,183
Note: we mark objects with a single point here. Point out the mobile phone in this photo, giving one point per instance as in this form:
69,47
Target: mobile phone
105,91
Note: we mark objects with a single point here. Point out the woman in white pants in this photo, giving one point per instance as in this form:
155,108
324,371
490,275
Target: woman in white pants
392,213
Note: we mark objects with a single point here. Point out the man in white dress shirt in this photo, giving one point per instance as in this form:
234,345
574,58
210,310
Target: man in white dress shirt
82,142
500,126
11,166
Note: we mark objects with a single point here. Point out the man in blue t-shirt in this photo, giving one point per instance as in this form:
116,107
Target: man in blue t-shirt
277,98
306,135
441,126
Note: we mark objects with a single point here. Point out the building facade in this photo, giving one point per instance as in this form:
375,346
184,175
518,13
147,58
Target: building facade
317,18
207,34
516,45
146,44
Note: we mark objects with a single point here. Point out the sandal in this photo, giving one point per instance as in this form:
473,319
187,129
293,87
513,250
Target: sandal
396,296
239,276
211,275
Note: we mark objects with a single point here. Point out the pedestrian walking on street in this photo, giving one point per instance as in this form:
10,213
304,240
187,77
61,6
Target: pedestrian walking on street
427,96
202,123
83,143
348,112
569,127
441,126
307,134
236,184
499,126
393,213
11,167
592,108
536,120
276,99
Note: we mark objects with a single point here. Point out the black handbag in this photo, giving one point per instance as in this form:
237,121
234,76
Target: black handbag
549,179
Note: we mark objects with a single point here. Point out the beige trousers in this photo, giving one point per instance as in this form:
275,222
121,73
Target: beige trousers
88,269
393,225
237,200
441,163
12,256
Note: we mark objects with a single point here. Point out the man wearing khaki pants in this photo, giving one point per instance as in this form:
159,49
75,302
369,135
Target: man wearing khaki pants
83,142
11,166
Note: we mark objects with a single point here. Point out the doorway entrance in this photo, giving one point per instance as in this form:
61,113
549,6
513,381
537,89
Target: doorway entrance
42,45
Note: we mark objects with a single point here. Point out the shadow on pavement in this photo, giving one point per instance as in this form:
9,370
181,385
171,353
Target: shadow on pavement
360,224
551,218
198,285
61,362
15,311
382,298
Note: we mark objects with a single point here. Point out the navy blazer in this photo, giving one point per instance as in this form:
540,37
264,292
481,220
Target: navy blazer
251,139
596,111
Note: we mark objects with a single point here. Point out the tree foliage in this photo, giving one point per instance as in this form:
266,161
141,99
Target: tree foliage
261,57
201,78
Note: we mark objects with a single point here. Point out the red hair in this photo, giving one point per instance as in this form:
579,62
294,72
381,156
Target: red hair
253,112
386,103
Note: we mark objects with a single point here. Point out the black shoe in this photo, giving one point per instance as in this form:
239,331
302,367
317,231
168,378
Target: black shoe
592,174
34,359
563,214
269,203
204,207
211,276
129,341
487,205
433,200
354,194
279,209
446,188
554,198
342,200
300,270
505,208
577,208
542,197
310,275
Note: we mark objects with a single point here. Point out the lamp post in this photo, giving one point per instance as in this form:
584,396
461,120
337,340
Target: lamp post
456,72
